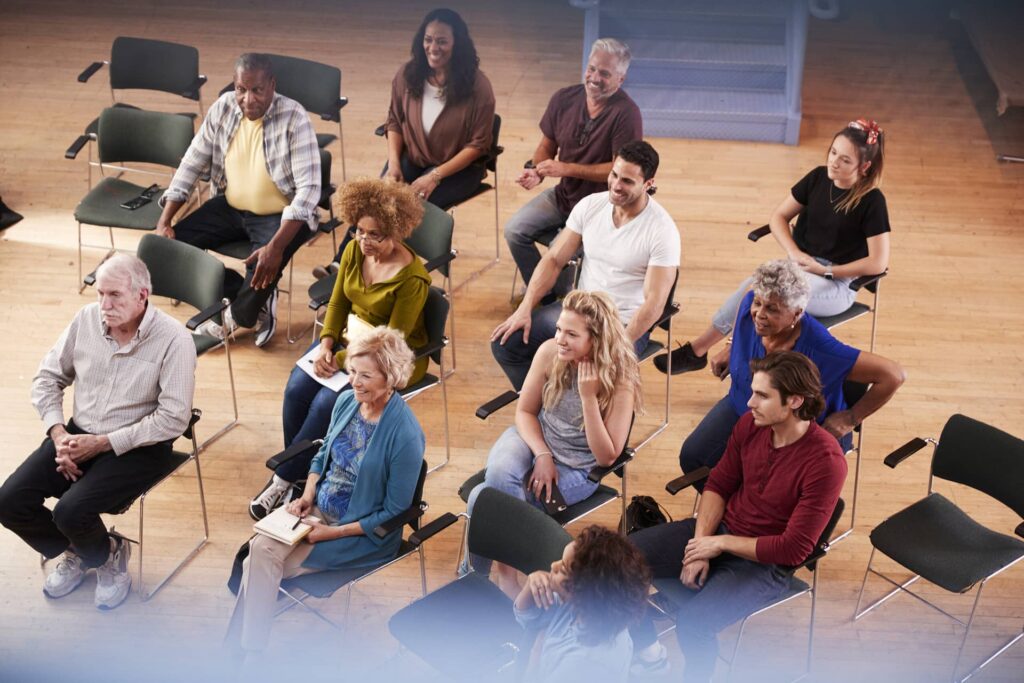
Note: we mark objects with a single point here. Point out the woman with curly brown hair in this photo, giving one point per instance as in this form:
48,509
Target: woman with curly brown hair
586,604
381,281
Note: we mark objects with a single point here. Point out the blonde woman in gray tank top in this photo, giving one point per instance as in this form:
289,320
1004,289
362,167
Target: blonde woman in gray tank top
574,410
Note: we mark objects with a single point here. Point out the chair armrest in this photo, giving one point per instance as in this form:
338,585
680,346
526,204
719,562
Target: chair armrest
429,530
818,553
671,308
380,130
905,451
90,279
196,414
293,451
755,235
192,92
430,348
1019,530
496,404
89,71
76,146
529,164
680,483
321,290
207,313
398,521
599,472
865,280
435,263
342,102
327,227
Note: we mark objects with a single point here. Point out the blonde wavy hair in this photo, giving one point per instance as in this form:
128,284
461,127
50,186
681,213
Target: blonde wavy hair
394,206
612,353
387,349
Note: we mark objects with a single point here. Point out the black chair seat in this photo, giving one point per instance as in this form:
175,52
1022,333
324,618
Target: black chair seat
102,206
937,540
855,311
324,584
427,381
239,250
459,628
322,288
653,347
672,594
470,484
324,139
162,467
480,189
204,343
94,125
603,495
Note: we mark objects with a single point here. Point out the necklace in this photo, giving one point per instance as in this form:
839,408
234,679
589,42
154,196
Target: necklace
841,193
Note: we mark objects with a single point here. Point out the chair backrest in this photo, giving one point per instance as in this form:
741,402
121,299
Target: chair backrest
511,531
135,135
495,150
985,458
853,392
326,190
417,496
316,86
182,272
154,65
435,317
664,324
433,236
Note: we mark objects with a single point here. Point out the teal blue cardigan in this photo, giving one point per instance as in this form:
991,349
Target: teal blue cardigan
384,487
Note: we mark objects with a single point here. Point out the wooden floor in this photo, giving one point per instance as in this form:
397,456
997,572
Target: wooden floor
951,311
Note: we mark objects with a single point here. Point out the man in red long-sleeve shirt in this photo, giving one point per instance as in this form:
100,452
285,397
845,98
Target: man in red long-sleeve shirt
764,507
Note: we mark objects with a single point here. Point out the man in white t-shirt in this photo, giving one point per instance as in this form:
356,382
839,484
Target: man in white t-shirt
632,254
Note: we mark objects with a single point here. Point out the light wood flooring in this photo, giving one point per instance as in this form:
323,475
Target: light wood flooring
951,312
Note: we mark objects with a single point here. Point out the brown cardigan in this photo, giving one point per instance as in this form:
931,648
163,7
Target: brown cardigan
466,124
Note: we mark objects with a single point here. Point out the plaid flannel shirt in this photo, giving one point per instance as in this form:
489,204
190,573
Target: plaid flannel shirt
289,145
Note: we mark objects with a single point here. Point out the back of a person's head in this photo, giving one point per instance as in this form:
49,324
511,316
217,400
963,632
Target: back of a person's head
609,581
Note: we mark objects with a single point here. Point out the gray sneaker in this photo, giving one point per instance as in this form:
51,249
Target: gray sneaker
113,582
65,577
212,329
276,493
266,321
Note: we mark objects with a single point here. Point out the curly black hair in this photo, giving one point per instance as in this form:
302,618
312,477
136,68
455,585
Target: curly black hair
609,581
462,68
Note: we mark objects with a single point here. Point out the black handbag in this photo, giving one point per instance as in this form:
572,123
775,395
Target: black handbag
643,512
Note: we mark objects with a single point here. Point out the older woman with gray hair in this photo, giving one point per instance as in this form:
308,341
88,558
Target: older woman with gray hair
771,318
364,474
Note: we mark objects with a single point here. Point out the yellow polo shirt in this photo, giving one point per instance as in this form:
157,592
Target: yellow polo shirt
250,187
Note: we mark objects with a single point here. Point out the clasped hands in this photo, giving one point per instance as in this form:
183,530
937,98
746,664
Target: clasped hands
697,560
75,449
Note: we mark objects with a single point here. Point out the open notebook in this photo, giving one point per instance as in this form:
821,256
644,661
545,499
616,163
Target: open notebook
281,526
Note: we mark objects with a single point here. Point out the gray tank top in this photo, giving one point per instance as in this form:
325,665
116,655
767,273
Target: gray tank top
562,427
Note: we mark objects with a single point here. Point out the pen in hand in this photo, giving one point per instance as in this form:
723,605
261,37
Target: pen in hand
297,523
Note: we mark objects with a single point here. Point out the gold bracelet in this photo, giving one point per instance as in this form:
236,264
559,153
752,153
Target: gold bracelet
437,176
547,453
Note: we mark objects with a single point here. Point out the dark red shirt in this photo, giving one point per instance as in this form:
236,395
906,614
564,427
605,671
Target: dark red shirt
565,121
785,496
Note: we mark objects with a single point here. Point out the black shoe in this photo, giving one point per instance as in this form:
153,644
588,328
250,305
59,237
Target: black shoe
8,216
683,360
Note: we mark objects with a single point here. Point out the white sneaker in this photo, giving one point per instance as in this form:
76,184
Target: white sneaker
277,492
65,577
113,582
212,329
266,321
650,663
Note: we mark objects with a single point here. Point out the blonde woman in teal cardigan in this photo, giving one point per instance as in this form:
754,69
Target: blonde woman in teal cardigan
380,282
364,474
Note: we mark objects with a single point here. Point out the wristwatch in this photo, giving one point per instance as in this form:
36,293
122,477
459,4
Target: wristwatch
828,273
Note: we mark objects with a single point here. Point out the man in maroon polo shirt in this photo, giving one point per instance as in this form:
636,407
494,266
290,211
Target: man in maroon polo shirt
764,507
582,128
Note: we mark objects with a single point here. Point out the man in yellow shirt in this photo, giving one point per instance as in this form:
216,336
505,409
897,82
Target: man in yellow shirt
264,165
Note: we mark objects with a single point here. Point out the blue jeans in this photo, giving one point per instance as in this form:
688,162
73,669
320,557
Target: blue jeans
540,218
507,464
734,588
515,356
306,414
828,297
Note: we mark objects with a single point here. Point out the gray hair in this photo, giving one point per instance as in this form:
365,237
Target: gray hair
127,266
615,48
255,61
783,280
387,348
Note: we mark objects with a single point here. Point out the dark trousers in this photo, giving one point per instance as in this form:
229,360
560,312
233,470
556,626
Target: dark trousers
215,224
108,482
515,355
734,588
454,189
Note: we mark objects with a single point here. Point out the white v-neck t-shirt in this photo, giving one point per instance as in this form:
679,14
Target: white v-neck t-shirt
433,104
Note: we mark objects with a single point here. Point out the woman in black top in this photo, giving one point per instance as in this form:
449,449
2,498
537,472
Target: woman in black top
841,233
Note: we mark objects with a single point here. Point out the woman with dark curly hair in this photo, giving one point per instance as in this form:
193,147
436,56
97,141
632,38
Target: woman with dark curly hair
381,281
586,603
441,114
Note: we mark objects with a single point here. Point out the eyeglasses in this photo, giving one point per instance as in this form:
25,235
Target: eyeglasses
359,234
583,131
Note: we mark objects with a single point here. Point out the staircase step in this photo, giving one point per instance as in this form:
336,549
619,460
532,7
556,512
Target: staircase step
707,64
708,51
707,100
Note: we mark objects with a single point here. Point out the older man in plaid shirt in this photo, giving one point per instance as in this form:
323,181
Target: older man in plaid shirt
264,165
